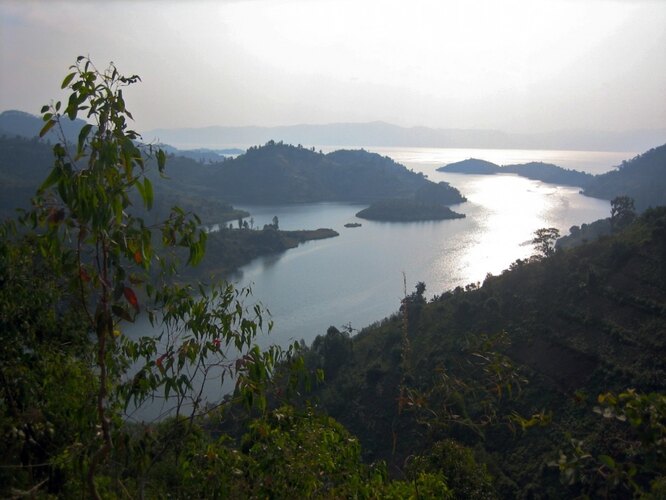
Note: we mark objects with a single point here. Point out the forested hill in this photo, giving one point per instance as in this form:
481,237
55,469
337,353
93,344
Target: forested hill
25,163
642,178
274,173
545,172
280,173
542,340
15,123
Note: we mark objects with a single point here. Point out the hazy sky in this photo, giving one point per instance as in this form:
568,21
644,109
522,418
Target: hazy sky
515,65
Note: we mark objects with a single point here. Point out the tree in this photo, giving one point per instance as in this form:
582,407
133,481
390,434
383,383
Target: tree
276,224
82,226
622,212
544,241
334,350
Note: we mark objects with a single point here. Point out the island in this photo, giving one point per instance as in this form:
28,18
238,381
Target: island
471,166
353,224
404,210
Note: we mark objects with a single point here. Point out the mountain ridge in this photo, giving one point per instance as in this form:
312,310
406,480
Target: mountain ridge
383,134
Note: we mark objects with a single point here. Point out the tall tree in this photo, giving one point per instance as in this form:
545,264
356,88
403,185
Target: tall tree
85,229
544,241
623,212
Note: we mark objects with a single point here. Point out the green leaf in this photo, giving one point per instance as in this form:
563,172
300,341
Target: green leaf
607,461
72,106
161,160
83,134
142,191
67,80
148,188
53,177
48,126
121,312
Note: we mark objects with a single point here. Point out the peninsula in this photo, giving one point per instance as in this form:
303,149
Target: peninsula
539,171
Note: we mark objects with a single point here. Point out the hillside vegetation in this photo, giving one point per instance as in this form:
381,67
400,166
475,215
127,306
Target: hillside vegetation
25,163
541,340
280,173
642,178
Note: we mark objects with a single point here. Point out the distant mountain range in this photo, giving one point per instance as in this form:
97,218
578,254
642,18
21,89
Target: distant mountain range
15,123
388,135
381,134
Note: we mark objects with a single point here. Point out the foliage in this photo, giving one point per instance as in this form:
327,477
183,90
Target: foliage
332,351
286,453
634,461
464,476
454,398
111,267
47,389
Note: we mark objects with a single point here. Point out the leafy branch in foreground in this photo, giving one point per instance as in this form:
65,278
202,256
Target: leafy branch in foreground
634,461
114,267
456,398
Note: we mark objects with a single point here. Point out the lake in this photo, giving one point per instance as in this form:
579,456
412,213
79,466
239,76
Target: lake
357,278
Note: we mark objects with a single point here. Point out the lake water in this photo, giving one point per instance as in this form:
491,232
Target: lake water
357,278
